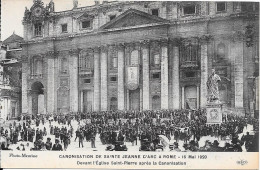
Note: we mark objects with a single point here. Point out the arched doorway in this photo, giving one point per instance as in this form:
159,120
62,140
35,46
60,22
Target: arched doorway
37,94
156,102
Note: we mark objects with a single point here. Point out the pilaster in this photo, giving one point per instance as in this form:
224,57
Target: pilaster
176,75
164,75
121,73
73,73
25,72
104,84
204,70
51,55
146,78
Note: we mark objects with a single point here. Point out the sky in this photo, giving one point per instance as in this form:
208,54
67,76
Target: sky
13,11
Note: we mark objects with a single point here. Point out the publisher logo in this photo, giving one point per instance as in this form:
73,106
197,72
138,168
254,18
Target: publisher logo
242,162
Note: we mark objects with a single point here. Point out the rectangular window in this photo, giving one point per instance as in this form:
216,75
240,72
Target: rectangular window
221,6
155,12
64,28
156,75
189,9
111,17
86,24
86,81
38,29
113,79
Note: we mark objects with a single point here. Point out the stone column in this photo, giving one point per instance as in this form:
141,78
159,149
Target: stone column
73,73
103,90
121,76
127,100
237,58
25,73
50,82
146,77
96,79
164,76
204,72
182,98
175,77
81,101
198,97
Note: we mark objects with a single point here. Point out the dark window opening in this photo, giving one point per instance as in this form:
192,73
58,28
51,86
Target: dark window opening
189,9
112,17
247,6
156,75
190,74
113,78
221,6
86,24
155,12
38,29
64,28
87,80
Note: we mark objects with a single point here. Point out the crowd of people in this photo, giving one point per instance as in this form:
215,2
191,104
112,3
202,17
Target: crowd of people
147,127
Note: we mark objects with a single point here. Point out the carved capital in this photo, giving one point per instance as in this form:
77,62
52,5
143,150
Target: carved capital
164,42
104,48
74,51
176,42
52,54
96,49
145,43
120,46
206,38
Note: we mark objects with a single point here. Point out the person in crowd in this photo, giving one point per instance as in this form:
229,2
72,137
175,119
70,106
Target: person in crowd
48,144
57,146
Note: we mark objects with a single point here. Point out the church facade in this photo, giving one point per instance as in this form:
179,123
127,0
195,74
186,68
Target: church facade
136,55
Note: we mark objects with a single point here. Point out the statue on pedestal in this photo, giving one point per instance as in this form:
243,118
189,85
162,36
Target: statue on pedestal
212,86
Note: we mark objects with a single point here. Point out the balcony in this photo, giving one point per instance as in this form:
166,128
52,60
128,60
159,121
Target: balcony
86,71
189,64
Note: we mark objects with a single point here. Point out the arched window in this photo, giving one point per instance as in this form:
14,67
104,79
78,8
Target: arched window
156,102
113,103
134,59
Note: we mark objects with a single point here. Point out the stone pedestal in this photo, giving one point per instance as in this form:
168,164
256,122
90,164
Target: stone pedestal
214,113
